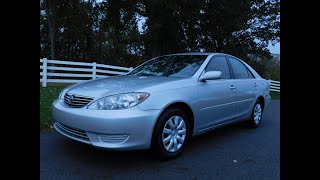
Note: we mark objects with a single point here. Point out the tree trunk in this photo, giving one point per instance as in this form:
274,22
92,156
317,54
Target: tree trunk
156,51
50,12
52,42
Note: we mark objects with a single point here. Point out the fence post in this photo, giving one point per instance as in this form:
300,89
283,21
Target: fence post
44,72
94,70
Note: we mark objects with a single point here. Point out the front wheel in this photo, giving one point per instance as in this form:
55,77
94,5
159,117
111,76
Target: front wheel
170,133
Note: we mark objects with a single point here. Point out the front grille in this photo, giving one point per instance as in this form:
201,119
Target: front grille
76,101
114,138
76,133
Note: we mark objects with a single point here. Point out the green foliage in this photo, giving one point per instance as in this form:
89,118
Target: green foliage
236,27
268,68
275,95
107,31
47,96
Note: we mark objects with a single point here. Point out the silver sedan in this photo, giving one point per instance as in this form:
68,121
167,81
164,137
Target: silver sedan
162,103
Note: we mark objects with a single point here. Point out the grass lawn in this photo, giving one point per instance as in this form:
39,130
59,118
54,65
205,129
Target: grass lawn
47,96
275,95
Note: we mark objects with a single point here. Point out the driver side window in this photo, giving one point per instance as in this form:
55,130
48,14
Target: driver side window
219,64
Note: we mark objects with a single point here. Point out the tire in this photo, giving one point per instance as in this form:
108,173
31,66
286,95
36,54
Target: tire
162,139
256,115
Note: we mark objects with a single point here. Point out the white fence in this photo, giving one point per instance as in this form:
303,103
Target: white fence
69,72
72,72
274,86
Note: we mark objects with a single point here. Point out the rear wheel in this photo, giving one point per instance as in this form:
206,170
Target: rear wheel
256,115
170,133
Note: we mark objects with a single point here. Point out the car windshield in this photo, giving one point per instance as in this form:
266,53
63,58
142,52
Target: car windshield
181,66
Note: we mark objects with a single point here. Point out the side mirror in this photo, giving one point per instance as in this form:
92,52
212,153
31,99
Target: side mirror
211,75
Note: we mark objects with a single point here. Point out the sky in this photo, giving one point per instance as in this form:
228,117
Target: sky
274,49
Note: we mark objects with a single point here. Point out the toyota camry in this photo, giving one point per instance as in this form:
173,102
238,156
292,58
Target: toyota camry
162,103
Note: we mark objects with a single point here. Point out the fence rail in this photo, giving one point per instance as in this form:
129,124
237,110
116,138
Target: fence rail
274,85
88,71
57,71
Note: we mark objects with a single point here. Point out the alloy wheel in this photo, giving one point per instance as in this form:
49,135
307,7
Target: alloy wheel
257,113
174,134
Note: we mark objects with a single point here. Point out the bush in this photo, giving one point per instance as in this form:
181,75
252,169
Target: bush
268,68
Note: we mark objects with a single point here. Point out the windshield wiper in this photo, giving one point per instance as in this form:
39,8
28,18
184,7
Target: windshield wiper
142,74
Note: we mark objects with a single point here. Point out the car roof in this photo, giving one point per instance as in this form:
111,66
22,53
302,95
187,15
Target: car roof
196,53
216,53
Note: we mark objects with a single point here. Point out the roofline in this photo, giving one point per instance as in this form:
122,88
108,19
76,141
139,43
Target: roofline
195,53
211,54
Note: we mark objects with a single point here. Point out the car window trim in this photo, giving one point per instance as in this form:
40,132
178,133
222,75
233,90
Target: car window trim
248,70
204,69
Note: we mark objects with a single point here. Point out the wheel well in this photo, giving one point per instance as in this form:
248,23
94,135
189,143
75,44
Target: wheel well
261,99
186,108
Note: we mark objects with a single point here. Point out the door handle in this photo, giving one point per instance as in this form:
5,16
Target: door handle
255,84
232,87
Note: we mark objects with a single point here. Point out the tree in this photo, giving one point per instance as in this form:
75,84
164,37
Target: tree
50,7
236,27
162,27
268,68
107,32
122,38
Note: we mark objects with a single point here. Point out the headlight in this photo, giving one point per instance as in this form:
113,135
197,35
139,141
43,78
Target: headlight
119,101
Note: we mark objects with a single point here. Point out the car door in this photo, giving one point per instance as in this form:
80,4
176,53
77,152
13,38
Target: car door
216,97
245,84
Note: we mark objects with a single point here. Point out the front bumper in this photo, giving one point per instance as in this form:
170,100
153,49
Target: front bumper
126,129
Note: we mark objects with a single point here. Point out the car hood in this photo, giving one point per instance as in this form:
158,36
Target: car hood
117,85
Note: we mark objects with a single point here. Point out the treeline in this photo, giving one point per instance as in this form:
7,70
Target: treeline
107,31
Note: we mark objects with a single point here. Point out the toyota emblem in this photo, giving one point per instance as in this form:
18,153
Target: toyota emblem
70,99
